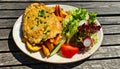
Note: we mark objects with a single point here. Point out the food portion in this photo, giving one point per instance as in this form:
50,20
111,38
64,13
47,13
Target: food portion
40,23
51,29
42,27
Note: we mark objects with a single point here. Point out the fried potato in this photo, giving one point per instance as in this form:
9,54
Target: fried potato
49,45
57,39
59,12
60,18
32,48
51,40
45,50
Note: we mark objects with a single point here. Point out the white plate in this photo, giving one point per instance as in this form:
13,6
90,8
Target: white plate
17,33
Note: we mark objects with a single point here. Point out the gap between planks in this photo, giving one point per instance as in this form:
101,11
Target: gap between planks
54,1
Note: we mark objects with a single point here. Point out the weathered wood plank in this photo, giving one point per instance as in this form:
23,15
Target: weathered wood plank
106,52
7,46
5,33
99,7
111,39
76,4
109,20
6,23
15,58
100,11
115,20
11,13
60,0
19,59
107,29
99,64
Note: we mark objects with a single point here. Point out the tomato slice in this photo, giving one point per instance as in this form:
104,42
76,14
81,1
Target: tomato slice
69,51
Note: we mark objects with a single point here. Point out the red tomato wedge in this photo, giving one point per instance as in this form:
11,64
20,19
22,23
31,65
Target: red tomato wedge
69,51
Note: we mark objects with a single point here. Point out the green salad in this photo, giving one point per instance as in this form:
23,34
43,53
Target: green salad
79,30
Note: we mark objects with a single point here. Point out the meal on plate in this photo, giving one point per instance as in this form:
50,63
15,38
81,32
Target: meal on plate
52,29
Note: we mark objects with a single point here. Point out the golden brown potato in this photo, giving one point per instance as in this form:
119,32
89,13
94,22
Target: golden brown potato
49,45
57,39
32,48
45,50
51,40
60,18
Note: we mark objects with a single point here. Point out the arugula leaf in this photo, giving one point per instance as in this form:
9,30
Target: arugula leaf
41,13
79,13
92,17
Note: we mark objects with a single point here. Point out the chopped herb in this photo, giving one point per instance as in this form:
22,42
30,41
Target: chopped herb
48,31
32,28
44,39
51,12
44,16
48,16
37,23
45,29
36,6
36,18
41,13
46,11
28,17
45,22
45,32
40,21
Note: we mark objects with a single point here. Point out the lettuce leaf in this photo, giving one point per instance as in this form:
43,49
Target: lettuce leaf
79,13
92,17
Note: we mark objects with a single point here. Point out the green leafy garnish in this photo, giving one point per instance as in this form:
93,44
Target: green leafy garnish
41,13
92,17
71,24
70,28
79,13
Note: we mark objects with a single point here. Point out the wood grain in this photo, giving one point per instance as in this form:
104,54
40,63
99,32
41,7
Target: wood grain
106,57
114,20
107,29
102,8
89,5
60,0
20,59
102,11
9,45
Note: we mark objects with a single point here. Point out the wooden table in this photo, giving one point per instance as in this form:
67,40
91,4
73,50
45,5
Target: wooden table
106,57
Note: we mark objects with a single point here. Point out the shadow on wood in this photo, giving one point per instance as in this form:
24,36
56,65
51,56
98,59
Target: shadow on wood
24,60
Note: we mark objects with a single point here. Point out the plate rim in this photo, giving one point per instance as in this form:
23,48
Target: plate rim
101,32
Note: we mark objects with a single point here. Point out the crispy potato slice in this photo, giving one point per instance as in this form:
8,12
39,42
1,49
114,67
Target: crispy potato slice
32,48
60,18
51,40
49,45
63,14
45,50
57,39
59,12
